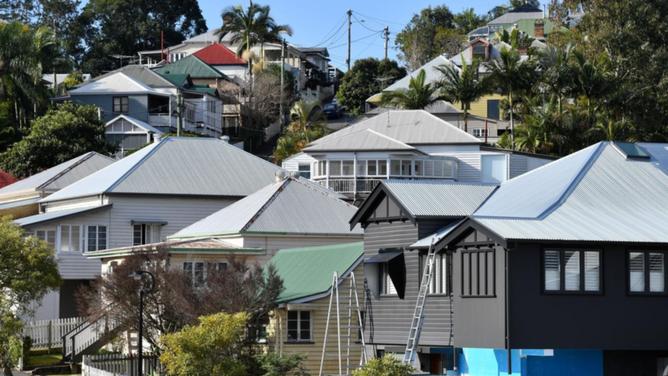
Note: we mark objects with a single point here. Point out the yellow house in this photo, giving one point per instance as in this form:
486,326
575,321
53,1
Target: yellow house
299,324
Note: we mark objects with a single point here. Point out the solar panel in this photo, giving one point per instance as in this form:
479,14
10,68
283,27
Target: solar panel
631,150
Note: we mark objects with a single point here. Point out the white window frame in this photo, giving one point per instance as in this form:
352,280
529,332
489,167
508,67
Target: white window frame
387,287
648,288
45,236
149,231
582,273
70,242
299,326
439,282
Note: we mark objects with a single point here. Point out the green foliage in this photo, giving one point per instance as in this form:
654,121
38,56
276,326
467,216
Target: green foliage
468,20
365,78
463,85
308,124
212,347
273,364
28,271
73,79
418,95
66,131
385,366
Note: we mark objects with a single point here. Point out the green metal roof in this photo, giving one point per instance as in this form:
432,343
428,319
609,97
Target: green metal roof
191,65
307,272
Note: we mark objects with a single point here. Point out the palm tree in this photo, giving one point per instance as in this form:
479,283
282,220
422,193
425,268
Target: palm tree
418,95
511,75
250,26
308,124
462,85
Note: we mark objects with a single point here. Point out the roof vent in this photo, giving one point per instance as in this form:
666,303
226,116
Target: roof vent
280,175
225,138
631,150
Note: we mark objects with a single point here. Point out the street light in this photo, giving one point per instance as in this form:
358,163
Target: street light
145,289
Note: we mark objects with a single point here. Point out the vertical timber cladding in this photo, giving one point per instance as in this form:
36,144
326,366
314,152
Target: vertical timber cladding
391,315
478,283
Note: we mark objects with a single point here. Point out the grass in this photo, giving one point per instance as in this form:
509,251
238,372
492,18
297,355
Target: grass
43,360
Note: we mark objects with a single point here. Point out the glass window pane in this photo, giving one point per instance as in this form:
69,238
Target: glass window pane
65,238
552,268
372,167
382,167
199,273
347,168
335,168
92,238
75,238
361,168
592,271
438,168
656,272
395,167
572,270
406,168
636,271
101,237
136,234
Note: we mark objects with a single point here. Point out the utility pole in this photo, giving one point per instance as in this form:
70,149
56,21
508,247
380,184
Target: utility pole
280,108
179,113
350,26
386,35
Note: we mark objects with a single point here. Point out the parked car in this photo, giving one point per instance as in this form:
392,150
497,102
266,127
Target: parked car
332,111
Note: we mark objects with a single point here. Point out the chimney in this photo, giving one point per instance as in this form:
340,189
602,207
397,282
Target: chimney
539,29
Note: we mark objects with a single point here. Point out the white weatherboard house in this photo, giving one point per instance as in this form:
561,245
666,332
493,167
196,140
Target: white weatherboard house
405,144
291,212
21,198
140,199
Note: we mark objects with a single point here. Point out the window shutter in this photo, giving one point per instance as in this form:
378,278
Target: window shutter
592,271
656,272
552,267
572,270
636,271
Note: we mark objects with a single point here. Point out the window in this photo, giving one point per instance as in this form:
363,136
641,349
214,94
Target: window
97,238
145,233
361,168
386,285
406,168
70,238
382,167
493,109
440,281
299,326
479,51
479,132
334,168
571,270
194,271
347,168
120,105
48,236
478,273
395,167
647,272
304,170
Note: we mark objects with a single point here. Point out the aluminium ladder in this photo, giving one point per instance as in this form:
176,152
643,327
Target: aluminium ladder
418,315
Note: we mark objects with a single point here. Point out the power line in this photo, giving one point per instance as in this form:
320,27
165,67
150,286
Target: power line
327,39
380,20
358,39
361,22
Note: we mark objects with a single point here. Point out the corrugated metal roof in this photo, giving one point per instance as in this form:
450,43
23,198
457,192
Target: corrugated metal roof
307,272
142,74
60,175
438,107
614,199
192,66
513,17
288,207
431,74
56,214
412,127
361,140
438,198
218,54
118,83
178,166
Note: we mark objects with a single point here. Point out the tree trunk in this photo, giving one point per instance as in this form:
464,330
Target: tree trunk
512,121
466,119
7,371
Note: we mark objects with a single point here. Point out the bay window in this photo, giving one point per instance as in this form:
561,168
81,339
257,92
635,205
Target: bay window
70,238
572,270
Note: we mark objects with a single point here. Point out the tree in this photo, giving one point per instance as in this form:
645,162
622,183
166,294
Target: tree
287,365
211,347
518,3
65,132
511,75
28,271
108,28
308,124
430,33
385,366
418,95
366,77
462,85
468,20
250,26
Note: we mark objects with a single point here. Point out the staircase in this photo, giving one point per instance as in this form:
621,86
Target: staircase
89,337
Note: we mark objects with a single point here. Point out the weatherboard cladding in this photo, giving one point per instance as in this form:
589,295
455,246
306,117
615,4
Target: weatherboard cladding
607,198
178,166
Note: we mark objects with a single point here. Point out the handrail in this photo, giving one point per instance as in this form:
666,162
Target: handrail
70,336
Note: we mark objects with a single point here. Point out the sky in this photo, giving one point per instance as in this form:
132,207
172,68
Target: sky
322,22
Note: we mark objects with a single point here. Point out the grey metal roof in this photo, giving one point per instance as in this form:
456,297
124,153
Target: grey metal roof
412,127
56,214
60,175
438,107
286,207
141,74
438,198
361,140
606,197
178,166
435,237
431,74
513,17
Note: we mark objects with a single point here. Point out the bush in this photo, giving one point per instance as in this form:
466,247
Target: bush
385,366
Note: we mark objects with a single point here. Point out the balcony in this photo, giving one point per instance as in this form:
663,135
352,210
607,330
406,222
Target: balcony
350,186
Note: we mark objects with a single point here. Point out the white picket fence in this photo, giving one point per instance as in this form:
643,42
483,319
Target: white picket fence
47,334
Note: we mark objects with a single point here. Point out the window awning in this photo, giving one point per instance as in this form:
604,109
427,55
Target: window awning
382,257
148,222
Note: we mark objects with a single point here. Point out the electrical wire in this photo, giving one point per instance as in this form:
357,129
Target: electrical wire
361,22
358,39
380,20
327,39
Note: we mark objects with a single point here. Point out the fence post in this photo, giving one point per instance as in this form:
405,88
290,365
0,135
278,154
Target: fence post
49,340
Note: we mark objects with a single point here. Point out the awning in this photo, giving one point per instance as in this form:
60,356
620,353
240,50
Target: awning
148,222
382,257
56,214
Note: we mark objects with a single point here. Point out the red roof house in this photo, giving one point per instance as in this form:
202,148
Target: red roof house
218,54
6,179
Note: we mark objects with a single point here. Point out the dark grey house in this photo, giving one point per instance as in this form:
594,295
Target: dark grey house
395,216
562,271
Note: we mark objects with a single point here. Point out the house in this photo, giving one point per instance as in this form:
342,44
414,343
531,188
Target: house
138,92
224,60
404,144
128,133
485,122
508,20
21,198
142,198
563,269
298,325
397,216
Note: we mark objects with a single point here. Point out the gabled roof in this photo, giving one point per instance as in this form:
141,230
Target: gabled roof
438,107
411,127
116,83
141,124
61,175
307,272
291,206
520,13
192,66
142,74
178,166
598,194
218,54
361,140
426,198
